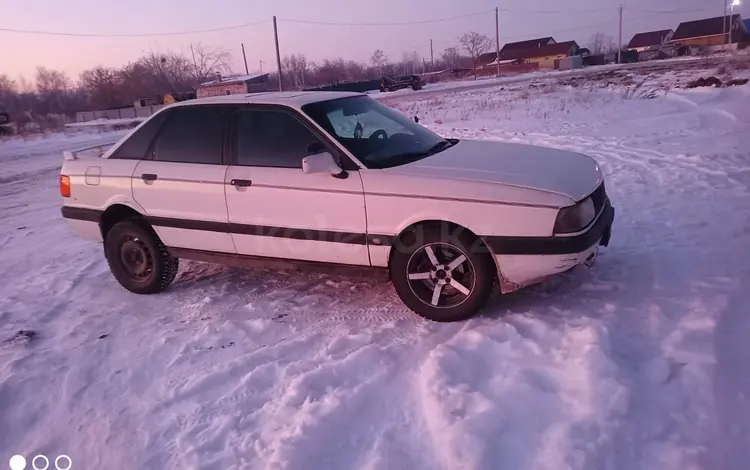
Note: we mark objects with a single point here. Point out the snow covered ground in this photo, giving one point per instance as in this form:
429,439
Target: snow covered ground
640,362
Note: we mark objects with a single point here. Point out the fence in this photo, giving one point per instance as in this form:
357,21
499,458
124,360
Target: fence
512,69
122,113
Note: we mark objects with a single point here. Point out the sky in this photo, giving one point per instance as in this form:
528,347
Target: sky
577,20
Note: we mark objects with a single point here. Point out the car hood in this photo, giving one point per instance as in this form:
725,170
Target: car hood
566,173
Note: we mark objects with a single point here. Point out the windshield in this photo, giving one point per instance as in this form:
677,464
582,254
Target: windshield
380,137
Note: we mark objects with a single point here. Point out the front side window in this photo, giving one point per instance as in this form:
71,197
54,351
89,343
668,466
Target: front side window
192,134
379,136
272,139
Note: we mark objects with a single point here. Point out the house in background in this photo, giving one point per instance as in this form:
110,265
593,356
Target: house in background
490,58
545,56
236,85
645,41
708,32
529,44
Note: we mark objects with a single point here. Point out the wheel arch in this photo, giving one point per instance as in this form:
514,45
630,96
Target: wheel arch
115,213
451,226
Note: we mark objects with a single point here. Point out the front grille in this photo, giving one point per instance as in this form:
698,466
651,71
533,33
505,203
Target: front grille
599,197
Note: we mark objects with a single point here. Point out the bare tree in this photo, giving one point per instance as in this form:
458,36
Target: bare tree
475,44
104,87
48,80
208,62
355,70
600,43
6,84
379,59
410,61
297,68
331,71
156,74
25,85
451,57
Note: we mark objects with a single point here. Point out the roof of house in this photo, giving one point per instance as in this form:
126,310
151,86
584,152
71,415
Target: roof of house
487,57
528,44
651,38
548,50
235,79
701,28
294,99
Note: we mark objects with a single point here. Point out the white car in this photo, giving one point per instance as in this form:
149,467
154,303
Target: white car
291,178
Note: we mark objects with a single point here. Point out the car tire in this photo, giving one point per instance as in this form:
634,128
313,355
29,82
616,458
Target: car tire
426,261
138,259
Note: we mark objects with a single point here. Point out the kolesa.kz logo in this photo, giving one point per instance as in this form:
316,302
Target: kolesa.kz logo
41,462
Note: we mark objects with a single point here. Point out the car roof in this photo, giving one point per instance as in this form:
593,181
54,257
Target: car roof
294,99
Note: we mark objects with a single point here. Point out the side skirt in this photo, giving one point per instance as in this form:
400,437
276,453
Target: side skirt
279,264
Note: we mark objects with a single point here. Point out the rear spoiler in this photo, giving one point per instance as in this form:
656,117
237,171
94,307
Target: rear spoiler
99,148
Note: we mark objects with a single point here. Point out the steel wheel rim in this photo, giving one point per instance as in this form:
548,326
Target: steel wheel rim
441,275
135,258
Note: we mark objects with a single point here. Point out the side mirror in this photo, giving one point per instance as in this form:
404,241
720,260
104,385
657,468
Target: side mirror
322,163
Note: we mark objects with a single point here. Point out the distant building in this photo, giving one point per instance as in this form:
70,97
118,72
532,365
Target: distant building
236,85
651,39
529,44
490,58
708,32
545,56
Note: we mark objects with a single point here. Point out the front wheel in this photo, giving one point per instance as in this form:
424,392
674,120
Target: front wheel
138,259
442,277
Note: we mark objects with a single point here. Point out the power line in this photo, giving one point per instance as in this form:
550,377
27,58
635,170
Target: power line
403,23
130,35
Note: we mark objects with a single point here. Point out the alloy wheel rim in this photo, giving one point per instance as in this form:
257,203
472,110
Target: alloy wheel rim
441,275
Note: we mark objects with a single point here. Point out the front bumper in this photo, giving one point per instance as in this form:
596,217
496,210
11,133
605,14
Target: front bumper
599,232
523,261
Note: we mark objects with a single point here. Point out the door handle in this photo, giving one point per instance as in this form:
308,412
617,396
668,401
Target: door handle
241,183
149,177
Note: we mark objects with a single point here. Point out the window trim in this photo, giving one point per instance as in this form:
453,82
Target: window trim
224,136
327,141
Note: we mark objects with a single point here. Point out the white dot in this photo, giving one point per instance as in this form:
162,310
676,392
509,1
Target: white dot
17,462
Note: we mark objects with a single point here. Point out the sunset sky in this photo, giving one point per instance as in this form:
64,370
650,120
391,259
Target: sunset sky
20,53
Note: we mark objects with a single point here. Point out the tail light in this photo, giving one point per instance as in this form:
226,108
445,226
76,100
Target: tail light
65,186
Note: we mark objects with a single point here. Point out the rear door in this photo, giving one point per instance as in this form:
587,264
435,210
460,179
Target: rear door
180,183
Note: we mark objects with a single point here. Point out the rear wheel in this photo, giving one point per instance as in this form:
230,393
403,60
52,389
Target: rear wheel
138,259
442,278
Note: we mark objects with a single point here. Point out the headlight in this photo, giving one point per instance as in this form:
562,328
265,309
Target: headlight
574,218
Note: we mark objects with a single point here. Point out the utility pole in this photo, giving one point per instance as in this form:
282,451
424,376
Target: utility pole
247,72
726,26
497,40
195,64
432,56
278,56
619,49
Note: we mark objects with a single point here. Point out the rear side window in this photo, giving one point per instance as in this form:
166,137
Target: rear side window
192,134
136,146
273,139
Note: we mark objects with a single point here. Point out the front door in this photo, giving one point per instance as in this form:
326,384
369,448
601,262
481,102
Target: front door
181,182
276,210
